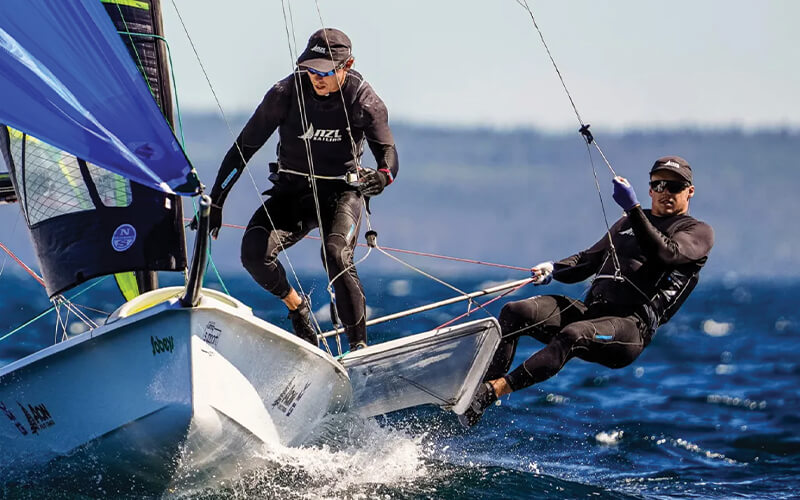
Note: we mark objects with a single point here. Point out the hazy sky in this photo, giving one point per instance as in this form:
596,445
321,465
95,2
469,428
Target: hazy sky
627,63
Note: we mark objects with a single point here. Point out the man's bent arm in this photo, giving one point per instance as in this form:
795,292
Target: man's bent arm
689,244
386,158
379,136
269,114
580,266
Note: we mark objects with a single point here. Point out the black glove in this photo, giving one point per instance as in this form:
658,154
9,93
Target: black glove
372,182
214,221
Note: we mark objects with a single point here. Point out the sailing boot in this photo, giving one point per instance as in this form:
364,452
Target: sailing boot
483,398
301,322
357,335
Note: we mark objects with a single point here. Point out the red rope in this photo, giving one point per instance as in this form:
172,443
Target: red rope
422,254
30,271
482,306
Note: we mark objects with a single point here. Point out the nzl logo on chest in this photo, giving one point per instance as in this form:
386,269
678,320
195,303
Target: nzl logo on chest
162,345
322,134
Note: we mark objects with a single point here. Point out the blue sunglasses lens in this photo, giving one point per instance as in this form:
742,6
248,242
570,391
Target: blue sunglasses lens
320,73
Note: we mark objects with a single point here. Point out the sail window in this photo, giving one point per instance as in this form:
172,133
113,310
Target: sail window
114,190
53,184
15,148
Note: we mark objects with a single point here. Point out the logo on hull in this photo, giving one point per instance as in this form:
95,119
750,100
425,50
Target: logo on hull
211,334
287,400
162,345
38,417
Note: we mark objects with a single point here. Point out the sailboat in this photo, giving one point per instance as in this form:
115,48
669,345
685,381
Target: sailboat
174,372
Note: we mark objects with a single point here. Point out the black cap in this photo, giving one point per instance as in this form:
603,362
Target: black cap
317,54
673,164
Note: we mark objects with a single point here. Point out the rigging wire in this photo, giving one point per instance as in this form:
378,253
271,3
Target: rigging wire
354,150
52,308
13,233
298,86
584,130
483,305
307,142
418,253
24,266
233,136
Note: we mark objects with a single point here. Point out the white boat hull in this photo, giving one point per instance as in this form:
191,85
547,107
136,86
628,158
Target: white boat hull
167,384
441,367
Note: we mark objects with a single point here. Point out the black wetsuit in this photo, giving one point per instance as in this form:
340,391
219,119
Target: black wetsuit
291,208
659,261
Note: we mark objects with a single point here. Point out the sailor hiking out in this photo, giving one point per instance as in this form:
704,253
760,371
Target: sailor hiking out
646,266
323,113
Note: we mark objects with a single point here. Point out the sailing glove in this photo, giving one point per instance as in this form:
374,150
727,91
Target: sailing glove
372,182
214,221
624,194
542,273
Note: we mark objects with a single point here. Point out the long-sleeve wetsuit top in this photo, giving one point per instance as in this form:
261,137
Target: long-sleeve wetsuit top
659,259
324,127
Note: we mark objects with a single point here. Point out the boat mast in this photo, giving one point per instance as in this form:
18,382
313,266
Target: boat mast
194,282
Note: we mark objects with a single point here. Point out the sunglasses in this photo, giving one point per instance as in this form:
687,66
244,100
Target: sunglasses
323,73
673,187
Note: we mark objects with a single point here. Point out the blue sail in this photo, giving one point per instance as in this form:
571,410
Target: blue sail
67,79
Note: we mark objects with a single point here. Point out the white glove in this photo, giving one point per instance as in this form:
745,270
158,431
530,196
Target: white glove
542,273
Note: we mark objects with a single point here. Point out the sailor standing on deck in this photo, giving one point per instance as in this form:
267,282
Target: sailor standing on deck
646,267
323,113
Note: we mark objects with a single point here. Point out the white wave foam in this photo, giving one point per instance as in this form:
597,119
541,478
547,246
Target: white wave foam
609,438
691,447
349,458
324,313
77,327
724,369
716,329
735,401
399,288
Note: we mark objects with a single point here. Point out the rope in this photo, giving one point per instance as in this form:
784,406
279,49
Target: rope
298,86
353,148
482,306
25,267
13,234
236,144
584,130
51,309
210,258
414,252
423,273
307,140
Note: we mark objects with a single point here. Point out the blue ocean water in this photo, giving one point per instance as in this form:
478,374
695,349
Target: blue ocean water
709,410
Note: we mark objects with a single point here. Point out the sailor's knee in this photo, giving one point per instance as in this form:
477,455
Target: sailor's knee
253,251
337,251
519,312
510,314
572,333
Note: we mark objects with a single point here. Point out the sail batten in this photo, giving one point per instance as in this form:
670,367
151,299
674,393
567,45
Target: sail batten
67,79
